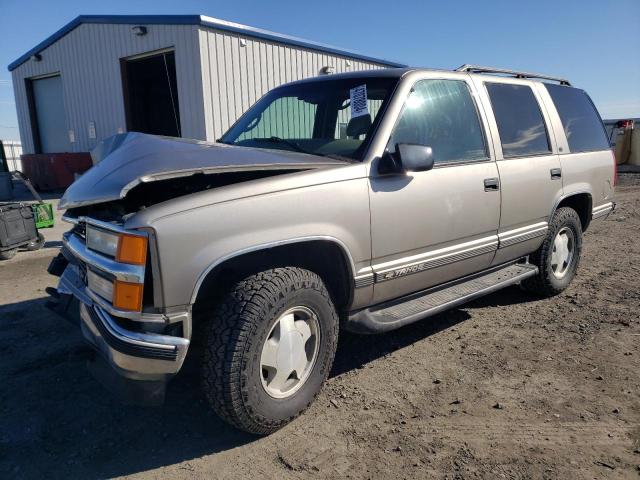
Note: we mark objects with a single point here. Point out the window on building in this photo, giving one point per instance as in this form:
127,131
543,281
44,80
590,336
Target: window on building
441,114
580,120
520,124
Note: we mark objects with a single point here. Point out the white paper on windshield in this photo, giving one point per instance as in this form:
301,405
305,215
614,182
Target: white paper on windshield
359,101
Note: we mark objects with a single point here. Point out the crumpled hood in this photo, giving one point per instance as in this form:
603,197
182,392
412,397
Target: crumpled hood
123,161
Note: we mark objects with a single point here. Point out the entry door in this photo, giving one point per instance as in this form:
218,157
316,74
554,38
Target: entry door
151,94
47,108
431,227
529,166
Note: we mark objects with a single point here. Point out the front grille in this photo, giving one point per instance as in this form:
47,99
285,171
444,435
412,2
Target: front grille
80,230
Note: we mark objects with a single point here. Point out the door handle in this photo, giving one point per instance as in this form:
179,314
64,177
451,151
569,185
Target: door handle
491,184
556,173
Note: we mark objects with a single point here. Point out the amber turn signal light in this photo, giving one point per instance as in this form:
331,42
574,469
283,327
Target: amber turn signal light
127,296
132,249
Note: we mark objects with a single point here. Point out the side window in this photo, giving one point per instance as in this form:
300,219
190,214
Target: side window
441,114
520,123
580,119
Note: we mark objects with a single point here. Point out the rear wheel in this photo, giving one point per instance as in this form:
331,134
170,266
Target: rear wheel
558,257
270,346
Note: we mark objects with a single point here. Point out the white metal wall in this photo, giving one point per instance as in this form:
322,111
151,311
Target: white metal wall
88,59
235,76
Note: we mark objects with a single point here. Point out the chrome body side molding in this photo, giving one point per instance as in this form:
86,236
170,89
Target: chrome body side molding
364,280
436,258
511,237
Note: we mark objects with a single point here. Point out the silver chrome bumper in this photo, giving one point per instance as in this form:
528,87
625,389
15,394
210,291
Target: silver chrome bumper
139,356
133,354
603,211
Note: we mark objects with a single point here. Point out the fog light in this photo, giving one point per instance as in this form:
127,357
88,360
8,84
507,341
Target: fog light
127,296
100,285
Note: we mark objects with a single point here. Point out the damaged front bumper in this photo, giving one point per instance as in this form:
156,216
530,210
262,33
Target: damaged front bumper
134,347
134,355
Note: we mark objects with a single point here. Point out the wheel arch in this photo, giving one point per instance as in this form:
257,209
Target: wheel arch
581,202
316,253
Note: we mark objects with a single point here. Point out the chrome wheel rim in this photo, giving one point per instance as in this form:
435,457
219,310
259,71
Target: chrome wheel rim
289,352
562,252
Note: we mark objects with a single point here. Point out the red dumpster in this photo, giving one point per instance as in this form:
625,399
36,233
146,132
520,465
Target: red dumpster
54,171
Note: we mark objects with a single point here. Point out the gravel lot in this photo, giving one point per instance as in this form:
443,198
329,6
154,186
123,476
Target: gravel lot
508,387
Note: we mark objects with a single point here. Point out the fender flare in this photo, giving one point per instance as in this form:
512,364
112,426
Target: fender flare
264,246
572,194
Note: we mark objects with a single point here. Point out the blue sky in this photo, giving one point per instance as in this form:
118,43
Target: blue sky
594,43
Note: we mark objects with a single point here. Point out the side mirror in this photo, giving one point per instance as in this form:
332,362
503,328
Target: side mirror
407,158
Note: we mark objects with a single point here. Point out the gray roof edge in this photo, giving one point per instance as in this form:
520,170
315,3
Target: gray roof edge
197,20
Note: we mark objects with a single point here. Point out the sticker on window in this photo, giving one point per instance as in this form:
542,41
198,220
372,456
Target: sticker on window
359,101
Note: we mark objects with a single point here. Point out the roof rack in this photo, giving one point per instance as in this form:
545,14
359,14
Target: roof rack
480,69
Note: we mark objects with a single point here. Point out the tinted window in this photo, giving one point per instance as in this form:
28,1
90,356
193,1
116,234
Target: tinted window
441,114
580,119
520,123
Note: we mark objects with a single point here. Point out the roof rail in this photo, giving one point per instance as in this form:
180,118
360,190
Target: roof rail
480,69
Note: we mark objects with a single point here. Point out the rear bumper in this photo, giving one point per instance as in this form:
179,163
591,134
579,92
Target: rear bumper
133,354
603,211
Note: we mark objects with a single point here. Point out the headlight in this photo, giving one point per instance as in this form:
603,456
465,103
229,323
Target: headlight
102,241
125,248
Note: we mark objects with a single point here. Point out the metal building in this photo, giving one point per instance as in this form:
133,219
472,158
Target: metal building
185,75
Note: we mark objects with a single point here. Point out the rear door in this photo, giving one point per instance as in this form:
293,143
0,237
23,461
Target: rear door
585,153
527,160
434,226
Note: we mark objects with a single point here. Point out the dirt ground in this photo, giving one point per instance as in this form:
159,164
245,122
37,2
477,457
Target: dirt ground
508,387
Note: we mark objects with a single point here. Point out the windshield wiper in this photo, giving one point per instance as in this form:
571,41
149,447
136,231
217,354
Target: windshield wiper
298,148
289,143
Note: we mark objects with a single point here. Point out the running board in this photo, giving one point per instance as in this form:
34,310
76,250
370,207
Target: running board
395,314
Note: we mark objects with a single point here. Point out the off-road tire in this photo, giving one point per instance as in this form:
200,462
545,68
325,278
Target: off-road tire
545,283
237,330
8,254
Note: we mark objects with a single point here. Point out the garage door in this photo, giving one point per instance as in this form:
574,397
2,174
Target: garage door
49,114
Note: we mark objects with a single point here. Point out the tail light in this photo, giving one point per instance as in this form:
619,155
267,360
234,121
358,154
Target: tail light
615,168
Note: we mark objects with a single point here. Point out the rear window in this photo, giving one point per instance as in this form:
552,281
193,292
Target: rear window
520,123
580,120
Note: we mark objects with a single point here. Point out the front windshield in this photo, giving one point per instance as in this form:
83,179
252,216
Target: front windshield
327,117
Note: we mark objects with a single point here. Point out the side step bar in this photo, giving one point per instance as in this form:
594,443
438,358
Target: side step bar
397,313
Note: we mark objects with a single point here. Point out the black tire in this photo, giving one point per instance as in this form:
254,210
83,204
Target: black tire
37,244
545,283
232,375
8,254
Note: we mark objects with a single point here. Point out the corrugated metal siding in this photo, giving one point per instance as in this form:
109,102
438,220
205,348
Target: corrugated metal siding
234,77
88,59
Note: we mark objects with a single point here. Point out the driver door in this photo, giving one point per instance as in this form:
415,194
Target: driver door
434,226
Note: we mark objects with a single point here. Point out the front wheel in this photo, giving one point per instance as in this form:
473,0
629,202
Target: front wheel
271,344
558,257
